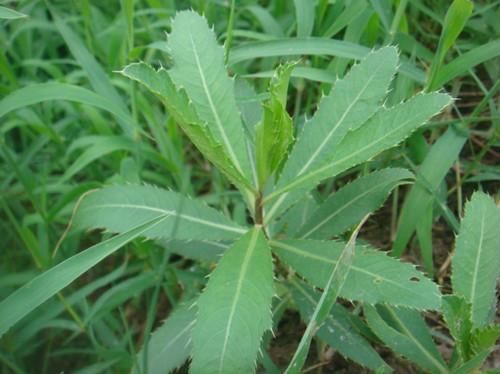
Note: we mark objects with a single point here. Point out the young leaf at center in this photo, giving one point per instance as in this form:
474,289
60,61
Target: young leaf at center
274,134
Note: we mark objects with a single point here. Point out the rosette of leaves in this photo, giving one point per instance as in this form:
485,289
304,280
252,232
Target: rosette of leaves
225,329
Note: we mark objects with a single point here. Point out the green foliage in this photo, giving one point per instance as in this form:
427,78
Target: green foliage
7,13
331,291
476,262
348,205
383,130
274,134
170,344
198,67
456,17
405,332
374,277
235,309
303,111
47,284
183,218
468,312
337,330
181,108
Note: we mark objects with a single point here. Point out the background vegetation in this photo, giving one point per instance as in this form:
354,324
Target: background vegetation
70,124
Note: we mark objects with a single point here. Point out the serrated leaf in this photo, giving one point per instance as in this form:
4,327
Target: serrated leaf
476,262
484,338
337,330
234,311
180,107
199,69
119,208
385,129
170,344
374,277
333,286
351,102
405,332
349,204
274,134
457,315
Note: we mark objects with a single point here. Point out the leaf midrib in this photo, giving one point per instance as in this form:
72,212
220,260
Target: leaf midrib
476,265
341,120
283,191
301,252
343,207
242,275
410,336
212,106
169,213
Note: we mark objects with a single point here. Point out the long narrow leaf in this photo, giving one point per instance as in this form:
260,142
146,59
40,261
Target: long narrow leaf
199,69
311,46
170,344
467,61
407,334
98,78
47,284
331,291
234,311
119,208
430,175
52,91
476,262
374,277
7,13
385,129
352,101
454,22
180,107
349,204
337,330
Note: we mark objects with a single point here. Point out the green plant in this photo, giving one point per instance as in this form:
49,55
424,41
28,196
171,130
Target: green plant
274,173
468,312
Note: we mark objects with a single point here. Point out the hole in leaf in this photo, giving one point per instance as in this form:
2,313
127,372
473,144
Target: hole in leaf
414,279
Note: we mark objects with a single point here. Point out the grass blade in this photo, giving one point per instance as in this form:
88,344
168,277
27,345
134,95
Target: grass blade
52,91
454,22
374,277
304,13
312,46
467,61
47,284
430,175
331,291
337,330
7,13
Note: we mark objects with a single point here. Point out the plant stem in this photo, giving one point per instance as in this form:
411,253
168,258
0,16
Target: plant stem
259,211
